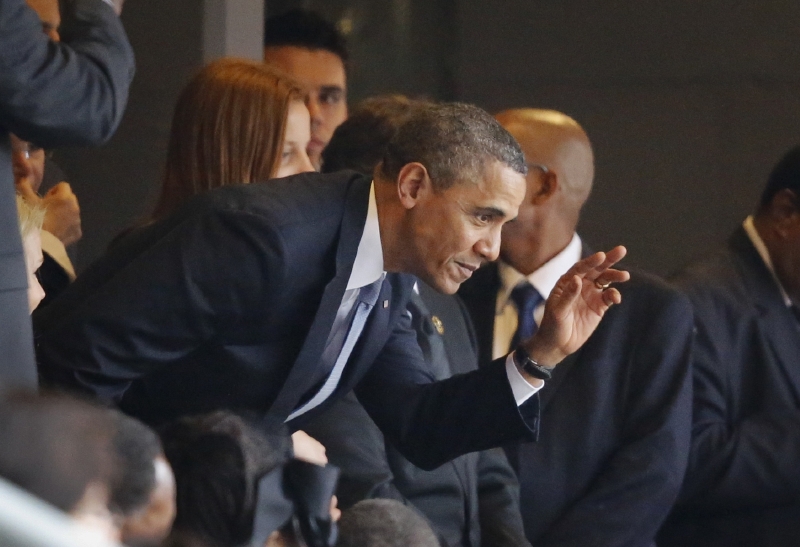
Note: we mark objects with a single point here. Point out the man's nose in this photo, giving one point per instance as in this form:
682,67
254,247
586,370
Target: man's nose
314,110
488,247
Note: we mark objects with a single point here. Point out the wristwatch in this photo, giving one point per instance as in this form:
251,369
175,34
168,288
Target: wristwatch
524,361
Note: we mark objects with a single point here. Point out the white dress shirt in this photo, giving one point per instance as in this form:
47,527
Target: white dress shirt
368,268
763,252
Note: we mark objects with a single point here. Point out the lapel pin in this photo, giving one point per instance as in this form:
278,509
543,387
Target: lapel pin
438,325
385,304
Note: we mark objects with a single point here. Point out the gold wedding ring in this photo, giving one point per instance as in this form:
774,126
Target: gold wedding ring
601,286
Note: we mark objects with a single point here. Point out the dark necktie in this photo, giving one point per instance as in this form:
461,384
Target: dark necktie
526,298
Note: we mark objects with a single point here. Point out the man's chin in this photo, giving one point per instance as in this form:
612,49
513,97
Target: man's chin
446,286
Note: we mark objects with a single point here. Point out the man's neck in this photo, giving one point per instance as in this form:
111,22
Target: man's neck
532,254
773,244
389,222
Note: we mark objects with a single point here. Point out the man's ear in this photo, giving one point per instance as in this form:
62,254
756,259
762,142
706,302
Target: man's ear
413,182
545,186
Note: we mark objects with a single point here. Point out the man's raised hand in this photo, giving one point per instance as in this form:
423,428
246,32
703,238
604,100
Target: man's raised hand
575,307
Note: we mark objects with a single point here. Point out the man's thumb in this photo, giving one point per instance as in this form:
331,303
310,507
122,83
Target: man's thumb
24,188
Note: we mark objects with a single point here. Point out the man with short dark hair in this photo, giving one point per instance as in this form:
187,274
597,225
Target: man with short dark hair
384,523
472,500
218,460
281,297
59,449
143,490
310,48
743,482
616,441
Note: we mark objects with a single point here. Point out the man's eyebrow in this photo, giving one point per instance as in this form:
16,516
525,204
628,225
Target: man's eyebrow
491,211
331,88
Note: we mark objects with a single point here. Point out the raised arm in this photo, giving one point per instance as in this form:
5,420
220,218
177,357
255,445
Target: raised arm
67,93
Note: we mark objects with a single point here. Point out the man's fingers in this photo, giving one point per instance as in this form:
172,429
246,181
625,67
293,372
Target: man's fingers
611,297
593,266
612,276
25,189
615,255
566,292
611,257
60,190
588,264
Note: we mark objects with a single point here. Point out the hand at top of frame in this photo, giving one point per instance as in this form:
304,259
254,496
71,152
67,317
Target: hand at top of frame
575,307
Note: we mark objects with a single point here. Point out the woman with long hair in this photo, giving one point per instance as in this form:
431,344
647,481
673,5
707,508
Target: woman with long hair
236,122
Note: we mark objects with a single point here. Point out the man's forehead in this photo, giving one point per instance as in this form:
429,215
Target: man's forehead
496,185
313,67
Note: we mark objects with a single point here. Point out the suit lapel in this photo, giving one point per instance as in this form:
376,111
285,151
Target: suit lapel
778,325
391,302
302,372
480,296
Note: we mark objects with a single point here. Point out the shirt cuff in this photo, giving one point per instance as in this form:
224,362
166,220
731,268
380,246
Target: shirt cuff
520,387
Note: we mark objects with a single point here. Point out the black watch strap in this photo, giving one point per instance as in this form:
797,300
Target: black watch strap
524,361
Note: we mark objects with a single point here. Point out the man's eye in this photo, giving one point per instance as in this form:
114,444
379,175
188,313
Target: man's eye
331,97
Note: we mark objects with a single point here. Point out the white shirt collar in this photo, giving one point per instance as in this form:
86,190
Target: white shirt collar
368,265
544,278
758,243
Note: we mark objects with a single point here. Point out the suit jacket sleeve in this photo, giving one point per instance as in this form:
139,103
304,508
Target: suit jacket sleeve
431,423
753,461
498,500
355,445
73,92
650,462
156,297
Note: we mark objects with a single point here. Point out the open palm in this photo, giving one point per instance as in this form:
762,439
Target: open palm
576,305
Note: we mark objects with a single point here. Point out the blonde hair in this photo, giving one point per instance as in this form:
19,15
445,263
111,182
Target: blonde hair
227,129
31,217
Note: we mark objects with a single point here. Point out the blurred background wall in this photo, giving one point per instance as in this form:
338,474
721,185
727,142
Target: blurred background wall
688,104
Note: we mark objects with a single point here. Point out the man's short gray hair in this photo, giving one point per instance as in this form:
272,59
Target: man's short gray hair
454,141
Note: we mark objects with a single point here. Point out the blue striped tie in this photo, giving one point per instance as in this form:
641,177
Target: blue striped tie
367,297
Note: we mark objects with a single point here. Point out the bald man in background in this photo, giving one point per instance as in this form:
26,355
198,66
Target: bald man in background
616,443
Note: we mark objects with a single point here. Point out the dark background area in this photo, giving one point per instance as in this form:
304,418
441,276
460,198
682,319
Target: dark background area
688,104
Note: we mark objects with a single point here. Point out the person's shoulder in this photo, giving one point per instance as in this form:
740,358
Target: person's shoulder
648,294
712,280
307,197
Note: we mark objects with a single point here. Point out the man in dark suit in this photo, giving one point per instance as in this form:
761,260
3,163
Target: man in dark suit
743,482
52,94
617,413
472,500
281,297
